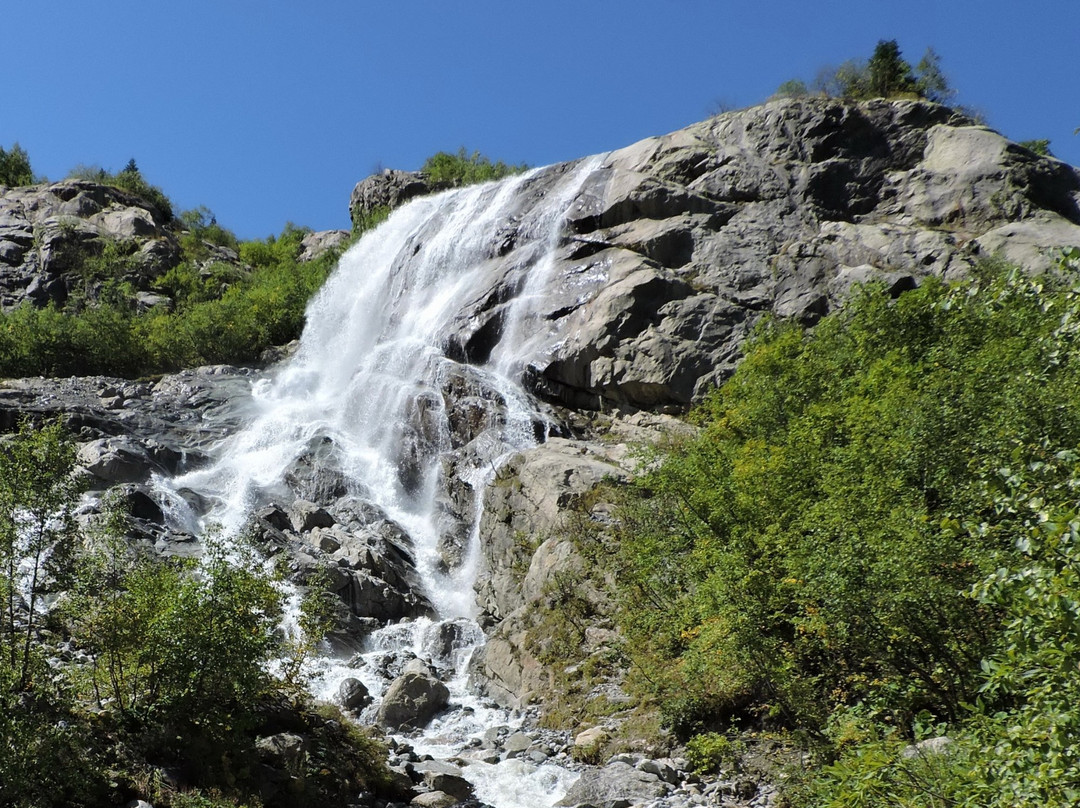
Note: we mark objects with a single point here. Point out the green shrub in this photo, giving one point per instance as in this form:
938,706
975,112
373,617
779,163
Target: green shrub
466,169
221,314
130,180
711,752
792,560
202,229
1015,747
370,219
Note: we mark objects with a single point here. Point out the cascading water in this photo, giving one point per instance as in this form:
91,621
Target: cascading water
368,380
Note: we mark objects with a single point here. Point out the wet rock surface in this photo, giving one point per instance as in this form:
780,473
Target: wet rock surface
413,698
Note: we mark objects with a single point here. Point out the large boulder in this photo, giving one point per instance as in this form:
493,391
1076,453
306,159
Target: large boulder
523,515
385,191
616,785
412,699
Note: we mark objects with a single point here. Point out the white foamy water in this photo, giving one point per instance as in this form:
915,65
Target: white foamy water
368,380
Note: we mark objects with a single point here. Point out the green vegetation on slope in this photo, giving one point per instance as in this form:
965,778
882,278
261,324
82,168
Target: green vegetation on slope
220,313
837,556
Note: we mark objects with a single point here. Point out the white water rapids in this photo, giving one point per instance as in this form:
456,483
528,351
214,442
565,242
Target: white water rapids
374,347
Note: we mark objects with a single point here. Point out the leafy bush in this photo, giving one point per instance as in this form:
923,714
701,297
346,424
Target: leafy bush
710,752
201,229
1015,748
1040,147
466,169
37,497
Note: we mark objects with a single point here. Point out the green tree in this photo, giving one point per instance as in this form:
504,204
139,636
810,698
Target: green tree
930,81
887,73
15,167
37,529
792,88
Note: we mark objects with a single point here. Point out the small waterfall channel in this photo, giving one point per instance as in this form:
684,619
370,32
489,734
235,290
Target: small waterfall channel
425,304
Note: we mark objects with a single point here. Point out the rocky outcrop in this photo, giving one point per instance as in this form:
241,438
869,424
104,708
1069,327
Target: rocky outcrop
131,429
523,516
48,231
617,784
385,191
317,243
677,245
356,551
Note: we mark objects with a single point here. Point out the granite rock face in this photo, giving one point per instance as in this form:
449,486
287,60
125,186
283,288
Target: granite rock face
781,208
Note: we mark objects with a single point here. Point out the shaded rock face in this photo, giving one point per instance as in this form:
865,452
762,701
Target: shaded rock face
522,519
131,429
365,556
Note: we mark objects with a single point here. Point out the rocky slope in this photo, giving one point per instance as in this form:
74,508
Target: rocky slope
50,235
672,250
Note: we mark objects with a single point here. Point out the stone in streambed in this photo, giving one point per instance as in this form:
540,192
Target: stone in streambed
412,699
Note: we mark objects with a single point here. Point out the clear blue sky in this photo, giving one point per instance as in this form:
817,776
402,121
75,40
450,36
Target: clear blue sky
271,111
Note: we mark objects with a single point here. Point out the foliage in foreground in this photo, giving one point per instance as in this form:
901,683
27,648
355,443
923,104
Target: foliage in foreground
832,555
1016,748
173,666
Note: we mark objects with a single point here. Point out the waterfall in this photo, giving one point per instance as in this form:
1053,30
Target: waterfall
426,301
